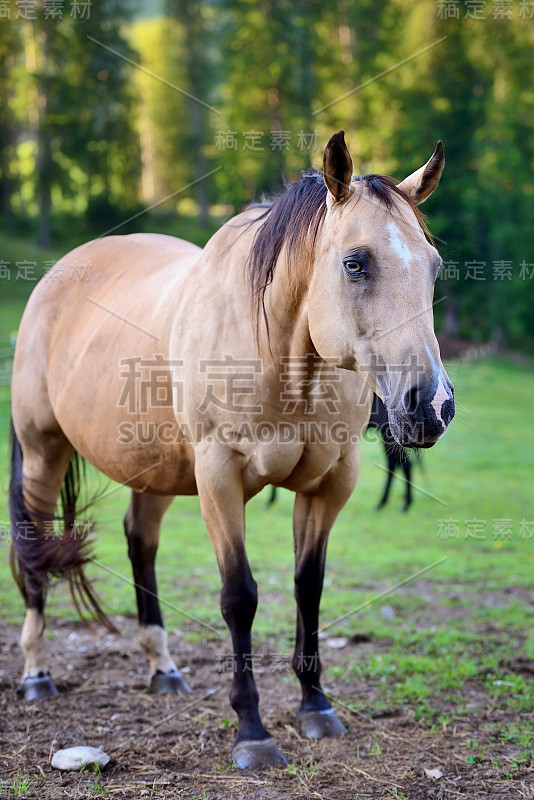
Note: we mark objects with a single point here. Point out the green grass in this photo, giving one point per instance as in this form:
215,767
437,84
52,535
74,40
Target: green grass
460,622
20,785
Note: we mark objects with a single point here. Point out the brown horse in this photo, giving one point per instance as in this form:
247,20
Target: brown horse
176,370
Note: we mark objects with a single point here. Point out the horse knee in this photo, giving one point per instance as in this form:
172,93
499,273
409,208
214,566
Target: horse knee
141,547
309,578
239,601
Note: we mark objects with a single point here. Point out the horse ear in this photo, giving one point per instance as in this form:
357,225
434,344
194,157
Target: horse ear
421,183
337,167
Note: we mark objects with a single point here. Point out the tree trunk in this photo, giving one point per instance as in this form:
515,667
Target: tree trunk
6,181
451,322
44,163
201,191
44,160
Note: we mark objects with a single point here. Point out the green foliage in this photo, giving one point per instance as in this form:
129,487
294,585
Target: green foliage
73,100
253,90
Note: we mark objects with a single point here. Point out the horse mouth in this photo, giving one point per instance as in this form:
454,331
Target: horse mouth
418,433
419,445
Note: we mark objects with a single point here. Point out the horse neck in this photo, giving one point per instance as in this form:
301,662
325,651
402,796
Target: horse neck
285,297
286,303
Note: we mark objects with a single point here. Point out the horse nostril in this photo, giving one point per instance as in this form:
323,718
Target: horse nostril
447,411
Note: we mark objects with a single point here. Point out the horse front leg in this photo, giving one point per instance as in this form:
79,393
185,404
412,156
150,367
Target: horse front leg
314,515
220,489
142,525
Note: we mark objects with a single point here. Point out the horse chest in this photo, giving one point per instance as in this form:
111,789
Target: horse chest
298,466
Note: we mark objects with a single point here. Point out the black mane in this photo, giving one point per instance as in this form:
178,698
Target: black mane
294,219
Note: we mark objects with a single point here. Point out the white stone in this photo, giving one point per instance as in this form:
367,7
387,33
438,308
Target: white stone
74,758
337,642
387,612
433,773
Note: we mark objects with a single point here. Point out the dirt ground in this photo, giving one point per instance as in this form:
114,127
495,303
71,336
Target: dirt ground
180,747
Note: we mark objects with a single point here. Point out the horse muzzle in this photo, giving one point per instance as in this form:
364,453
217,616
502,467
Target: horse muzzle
423,416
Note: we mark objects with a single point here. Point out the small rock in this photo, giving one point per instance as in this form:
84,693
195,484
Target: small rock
433,773
387,612
337,642
74,758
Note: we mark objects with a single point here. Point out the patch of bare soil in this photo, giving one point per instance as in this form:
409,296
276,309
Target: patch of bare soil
180,747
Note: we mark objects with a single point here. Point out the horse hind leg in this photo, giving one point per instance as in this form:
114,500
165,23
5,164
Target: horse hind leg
142,525
36,553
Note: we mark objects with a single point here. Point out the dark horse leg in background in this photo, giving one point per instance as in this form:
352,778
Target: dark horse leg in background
395,454
397,457
272,497
387,487
407,467
142,527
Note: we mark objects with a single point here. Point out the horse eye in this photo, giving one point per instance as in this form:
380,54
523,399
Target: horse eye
354,267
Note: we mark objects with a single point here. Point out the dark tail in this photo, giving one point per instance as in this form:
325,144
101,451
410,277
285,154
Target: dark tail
40,554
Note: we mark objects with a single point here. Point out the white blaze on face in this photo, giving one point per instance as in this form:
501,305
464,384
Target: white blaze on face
442,394
398,245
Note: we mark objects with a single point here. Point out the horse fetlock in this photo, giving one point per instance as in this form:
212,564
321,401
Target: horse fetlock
153,640
33,644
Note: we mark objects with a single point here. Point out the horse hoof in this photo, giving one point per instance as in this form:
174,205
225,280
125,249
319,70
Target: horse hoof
254,754
168,683
38,688
318,724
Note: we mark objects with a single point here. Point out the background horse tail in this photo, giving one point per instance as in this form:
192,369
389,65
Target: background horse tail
39,553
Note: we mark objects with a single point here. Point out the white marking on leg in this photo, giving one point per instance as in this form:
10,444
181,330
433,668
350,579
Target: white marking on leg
33,644
398,245
153,640
442,394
